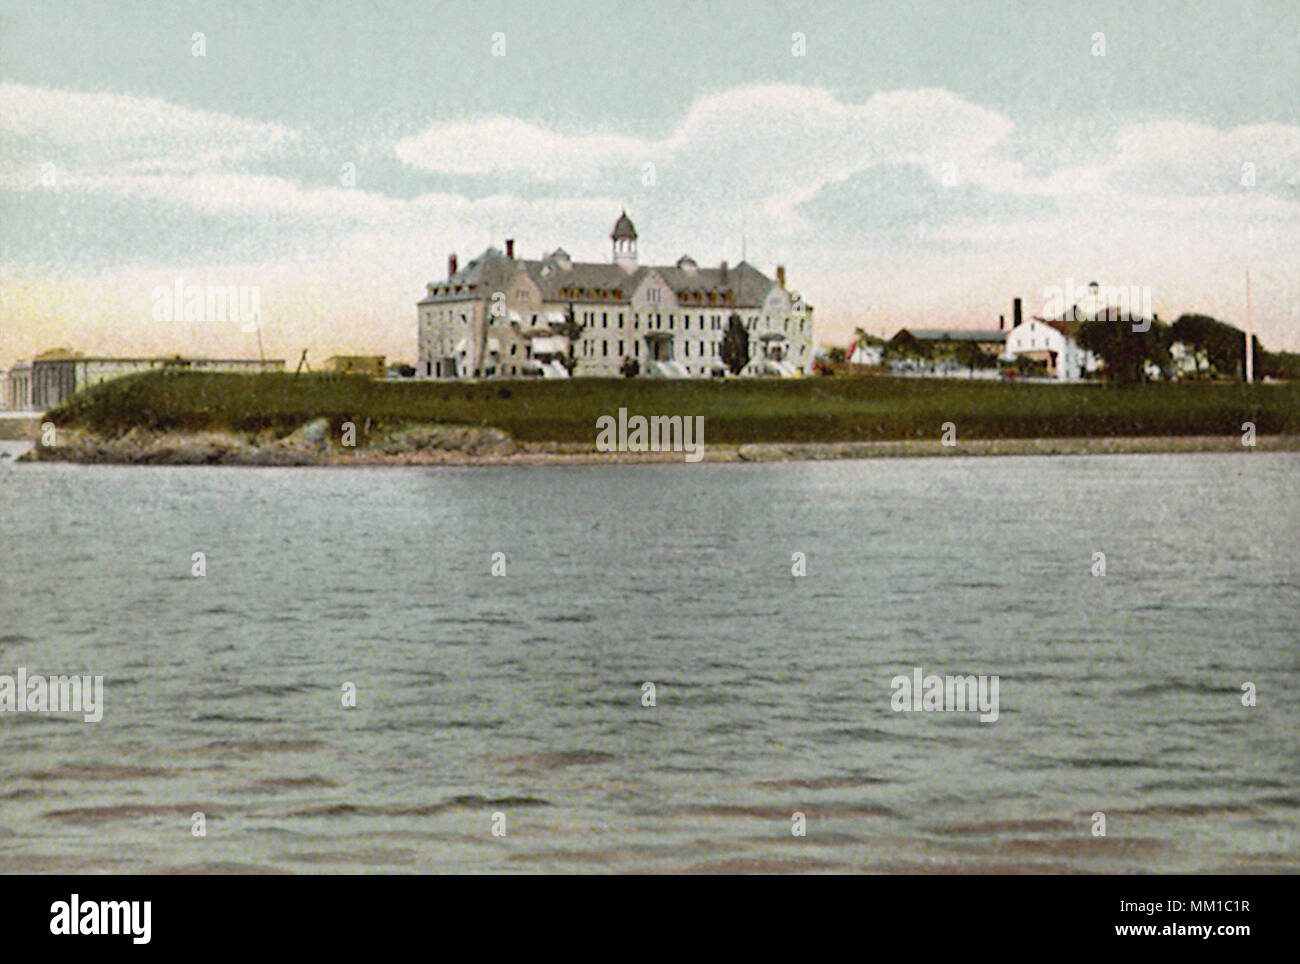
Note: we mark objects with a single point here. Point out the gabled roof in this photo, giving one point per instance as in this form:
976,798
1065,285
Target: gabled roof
743,286
1067,327
1072,319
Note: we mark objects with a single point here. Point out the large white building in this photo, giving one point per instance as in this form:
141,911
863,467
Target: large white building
500,316
1055,343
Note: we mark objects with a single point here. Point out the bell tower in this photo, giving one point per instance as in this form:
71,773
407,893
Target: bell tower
624,242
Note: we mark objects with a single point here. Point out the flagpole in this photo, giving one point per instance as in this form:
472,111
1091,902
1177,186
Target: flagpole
1250,345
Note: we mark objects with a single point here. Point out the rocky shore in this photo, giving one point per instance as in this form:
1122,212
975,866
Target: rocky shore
437,444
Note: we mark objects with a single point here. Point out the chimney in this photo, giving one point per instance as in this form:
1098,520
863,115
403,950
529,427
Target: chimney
1002,322
510,248
1015,313
451,264
780,275
724,272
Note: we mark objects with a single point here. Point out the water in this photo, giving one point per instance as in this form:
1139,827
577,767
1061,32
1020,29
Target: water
521,693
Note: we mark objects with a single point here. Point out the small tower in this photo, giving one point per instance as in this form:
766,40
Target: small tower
624,238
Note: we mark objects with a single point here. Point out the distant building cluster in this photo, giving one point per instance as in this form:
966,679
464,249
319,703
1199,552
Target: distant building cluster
503,316
1050,343
49,378
499,316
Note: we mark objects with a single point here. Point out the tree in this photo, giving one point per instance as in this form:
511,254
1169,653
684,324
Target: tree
571,330
1159,339
1219,348
836,354
1026,366
864,339
904,345
943,352
630,367
1125,352
972,356
735,345
1282,364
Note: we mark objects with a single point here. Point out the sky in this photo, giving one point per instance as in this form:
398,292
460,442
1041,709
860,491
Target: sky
913,164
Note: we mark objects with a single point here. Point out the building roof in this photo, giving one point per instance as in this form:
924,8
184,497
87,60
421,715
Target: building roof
57,354
1068,327
958,334
561,280
1072,319
623,228
64,356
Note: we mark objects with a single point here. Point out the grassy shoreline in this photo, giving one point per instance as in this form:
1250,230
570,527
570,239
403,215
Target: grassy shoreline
282,419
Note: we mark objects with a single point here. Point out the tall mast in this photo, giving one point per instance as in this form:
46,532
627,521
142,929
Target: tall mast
1250,342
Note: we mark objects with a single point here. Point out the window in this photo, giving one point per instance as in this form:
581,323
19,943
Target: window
620,348
604,348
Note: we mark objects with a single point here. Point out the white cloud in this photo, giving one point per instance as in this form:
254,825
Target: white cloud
99,133
1179,158
503,145
767,149
249,194
769,145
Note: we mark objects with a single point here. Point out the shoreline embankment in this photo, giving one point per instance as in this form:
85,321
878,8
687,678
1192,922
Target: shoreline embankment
438,444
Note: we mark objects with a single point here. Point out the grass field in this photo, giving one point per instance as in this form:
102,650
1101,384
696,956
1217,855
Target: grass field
735,411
